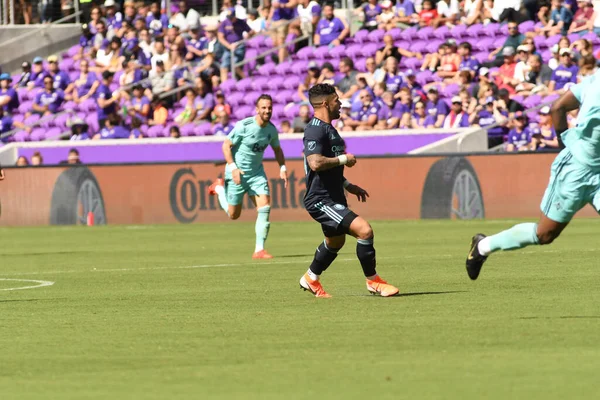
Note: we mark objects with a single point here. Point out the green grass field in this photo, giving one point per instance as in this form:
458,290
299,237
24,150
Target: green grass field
169,312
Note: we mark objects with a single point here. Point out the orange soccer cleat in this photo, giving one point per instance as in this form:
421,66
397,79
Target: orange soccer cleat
381,287
211,188
261,255
313,286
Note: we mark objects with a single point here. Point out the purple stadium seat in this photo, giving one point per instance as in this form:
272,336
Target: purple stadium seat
18,118
425,33
91,120
66,65
291,82
527,26
458,31
450,90
419,46
550,98
268,42
369,50
25,106
23,94
37,134
236,98
491,29
424,77
32,119
87,105
361,36
251,97
297,98
278,111
242,112
251,65
52,134
244,84
353,50
61,120
260,83
518,98
485,44
266,69
227,86
475,30
322,53
592,37
499,42
412,63
155,131
291,111
573,37
360,64
532,101
284,68
305,53
275,83
338,51
73,51
403,44
299,67
285,96
410,33
376,36
203,129
442,32
432,46
21,136
256,42
552,40
188,130
395,33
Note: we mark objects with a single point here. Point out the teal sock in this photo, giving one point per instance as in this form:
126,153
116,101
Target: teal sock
517,237
222,196
262,227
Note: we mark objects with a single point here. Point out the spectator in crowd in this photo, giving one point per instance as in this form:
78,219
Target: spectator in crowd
61,78
190,111
372,74
456,118
410,82
392,76
582,17
7,124
48,101
428,14
136,126
302,119
286,127
79,129
560,19
181,73
205,100
37,73
131,75
405,13
432,61
581,48
537,77
37,159
22,161
504,77
156,21
387,19
488,115
391,50
160,54
507,103
347,85
330,30
370,11
593,24
366,118
197,46
401,110
220,106
449,61
448,13
25,76
86,85
544,135
134,51
312,78
114,19
257,23
436,108
107,100
513,41
565,74
140,105
468,62
113,129
99,37
186,19
587,66
224,126
146,43
282,13
232,31
327,74
519,138
107,59
309,12
161,79
9,100
73,157
420,118
472,12
174,132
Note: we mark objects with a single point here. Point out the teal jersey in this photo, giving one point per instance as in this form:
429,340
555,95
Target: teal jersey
583,140
249,143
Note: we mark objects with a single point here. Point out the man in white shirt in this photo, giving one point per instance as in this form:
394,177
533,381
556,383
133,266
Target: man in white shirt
448,12
309,12
186,18
507,10
160,53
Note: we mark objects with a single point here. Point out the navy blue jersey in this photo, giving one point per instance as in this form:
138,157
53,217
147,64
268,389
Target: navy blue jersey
322,138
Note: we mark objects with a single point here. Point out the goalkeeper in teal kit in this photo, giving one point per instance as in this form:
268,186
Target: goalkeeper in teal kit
243,150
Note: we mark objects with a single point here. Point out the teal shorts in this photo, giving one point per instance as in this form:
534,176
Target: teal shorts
572,186
254,185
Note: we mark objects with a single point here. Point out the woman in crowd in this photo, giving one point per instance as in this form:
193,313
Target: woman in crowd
312,78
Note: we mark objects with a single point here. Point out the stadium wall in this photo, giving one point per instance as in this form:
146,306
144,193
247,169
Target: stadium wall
411,187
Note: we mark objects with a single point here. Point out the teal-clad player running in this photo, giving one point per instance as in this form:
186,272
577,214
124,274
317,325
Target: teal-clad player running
574,178
243,150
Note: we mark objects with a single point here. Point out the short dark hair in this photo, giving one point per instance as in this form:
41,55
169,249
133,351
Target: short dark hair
74,151
317,93
348,62
264,97
328,66
466,45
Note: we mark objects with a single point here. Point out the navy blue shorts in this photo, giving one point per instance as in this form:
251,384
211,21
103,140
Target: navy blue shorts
335,218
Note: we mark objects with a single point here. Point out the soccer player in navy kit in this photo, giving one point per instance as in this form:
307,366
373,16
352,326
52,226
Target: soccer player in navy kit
324,160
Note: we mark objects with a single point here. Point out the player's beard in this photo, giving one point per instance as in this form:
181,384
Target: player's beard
335,113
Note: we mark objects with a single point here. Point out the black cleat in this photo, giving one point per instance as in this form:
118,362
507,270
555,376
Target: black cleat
474,259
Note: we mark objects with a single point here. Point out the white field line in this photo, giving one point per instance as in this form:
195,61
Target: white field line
39,284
